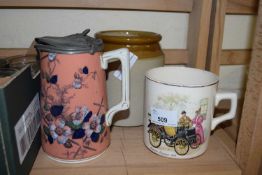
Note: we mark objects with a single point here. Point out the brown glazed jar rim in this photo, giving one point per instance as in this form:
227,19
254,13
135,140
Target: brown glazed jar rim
128,37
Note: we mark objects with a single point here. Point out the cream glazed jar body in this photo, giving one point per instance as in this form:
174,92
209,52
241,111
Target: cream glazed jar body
145,54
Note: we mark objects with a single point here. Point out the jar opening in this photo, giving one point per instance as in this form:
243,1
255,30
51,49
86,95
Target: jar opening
128,37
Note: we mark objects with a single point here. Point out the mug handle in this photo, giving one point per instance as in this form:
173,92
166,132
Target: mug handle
232,112
123,56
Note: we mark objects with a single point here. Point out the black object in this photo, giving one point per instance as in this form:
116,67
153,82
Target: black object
15,97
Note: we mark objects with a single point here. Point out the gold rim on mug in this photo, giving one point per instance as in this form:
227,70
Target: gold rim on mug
174,72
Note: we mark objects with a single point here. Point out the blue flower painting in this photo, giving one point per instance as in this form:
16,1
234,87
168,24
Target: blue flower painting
53,79
67,122
85,70
56,110
51,56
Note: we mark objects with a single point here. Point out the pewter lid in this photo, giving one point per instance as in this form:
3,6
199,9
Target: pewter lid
71,44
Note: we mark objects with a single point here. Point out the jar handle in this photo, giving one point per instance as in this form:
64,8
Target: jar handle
123,56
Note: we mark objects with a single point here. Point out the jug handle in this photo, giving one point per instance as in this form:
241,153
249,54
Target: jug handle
123,56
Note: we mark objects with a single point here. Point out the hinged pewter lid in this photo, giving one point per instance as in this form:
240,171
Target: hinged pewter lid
71,44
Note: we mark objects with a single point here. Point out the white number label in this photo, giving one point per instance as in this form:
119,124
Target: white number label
164,117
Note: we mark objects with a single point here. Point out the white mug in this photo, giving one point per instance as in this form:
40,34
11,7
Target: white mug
179,108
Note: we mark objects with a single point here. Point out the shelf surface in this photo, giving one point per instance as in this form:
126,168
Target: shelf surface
128,155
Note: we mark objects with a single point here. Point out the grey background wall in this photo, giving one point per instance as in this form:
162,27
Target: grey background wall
19,27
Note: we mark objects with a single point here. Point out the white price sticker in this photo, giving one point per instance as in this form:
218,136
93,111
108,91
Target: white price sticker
164,117
27,127
132,59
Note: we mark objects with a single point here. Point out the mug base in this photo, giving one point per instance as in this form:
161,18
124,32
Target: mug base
76,161
127,124
175,156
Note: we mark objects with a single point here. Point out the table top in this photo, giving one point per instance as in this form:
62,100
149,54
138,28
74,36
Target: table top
127,154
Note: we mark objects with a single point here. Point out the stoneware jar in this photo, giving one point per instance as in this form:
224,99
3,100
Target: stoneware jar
146,54
75,116
179,108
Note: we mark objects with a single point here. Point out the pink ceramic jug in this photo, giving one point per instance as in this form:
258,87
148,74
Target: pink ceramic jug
75,117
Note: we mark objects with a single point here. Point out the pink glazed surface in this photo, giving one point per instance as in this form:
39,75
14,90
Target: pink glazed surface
73,106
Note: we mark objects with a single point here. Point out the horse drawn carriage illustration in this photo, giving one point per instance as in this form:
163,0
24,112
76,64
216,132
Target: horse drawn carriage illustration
180,137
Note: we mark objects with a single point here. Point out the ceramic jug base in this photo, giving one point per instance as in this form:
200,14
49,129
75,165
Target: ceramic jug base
76,161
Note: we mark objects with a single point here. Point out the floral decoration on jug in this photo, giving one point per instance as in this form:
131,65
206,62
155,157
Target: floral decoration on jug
62,126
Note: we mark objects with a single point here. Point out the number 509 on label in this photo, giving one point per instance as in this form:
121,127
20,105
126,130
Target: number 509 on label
164,117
